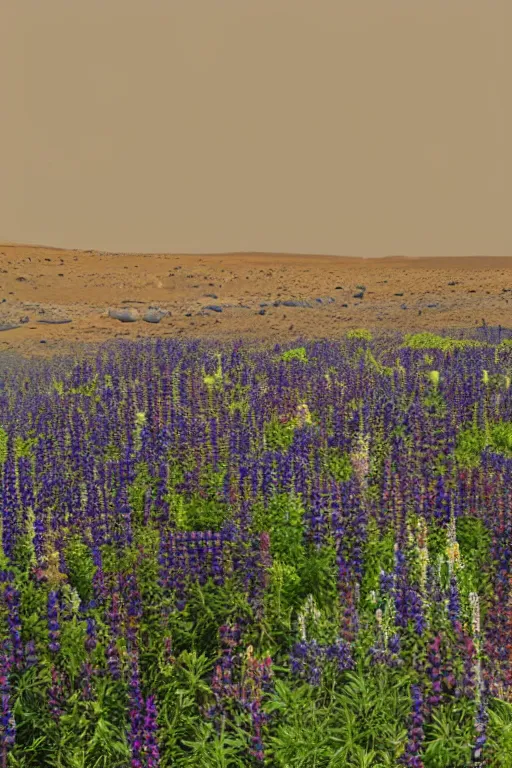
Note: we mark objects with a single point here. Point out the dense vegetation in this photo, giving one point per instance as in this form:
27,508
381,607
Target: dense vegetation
233,556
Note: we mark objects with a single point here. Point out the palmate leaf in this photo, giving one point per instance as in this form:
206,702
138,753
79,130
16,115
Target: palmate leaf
449,739
499,734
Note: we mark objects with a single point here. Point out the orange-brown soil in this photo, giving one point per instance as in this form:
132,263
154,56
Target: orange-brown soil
46,283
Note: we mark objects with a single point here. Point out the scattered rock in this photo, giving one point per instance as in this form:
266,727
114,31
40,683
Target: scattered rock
188,314
154,316
453,282
214,307
262,312
25,319
398,294
211,295
124,315
295,303
344,305
56,322
8,327
264,305
42,341
403,306
359,295
132,301
61,274
339,288
431,305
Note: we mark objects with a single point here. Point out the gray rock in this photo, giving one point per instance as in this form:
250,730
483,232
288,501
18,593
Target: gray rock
296,303
124,315
8,327
211,295
214,307
154,316
262,312
56,322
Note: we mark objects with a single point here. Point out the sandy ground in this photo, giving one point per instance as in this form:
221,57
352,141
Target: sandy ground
41,283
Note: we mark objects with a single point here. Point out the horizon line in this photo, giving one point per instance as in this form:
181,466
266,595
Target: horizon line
238,253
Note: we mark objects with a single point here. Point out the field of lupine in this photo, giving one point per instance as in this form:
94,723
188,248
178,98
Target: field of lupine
233,556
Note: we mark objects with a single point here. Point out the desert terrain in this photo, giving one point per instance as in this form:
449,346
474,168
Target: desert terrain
39,285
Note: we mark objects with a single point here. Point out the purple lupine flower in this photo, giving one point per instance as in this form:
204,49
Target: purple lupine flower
136,731
150,748
7,722
467,650
340,653
113,660
87,677
434,670
31,654
481,739
411,757
90,640
12,602
56,695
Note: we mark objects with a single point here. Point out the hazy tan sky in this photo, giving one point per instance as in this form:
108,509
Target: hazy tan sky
358,127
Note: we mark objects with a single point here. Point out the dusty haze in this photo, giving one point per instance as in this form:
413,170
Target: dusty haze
367,128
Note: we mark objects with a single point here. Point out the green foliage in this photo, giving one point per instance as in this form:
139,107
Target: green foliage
278,436
283,518
377,556
473,440
433,341
338,465
81,568
359,333
374,364
298,353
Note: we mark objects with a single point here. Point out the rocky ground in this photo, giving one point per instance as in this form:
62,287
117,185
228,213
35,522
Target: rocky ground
54,301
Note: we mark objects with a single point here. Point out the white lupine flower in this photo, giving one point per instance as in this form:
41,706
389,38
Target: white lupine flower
423,557
360,458
302,626
475,612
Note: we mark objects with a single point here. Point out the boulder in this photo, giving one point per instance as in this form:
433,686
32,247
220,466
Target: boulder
124,315
154,316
